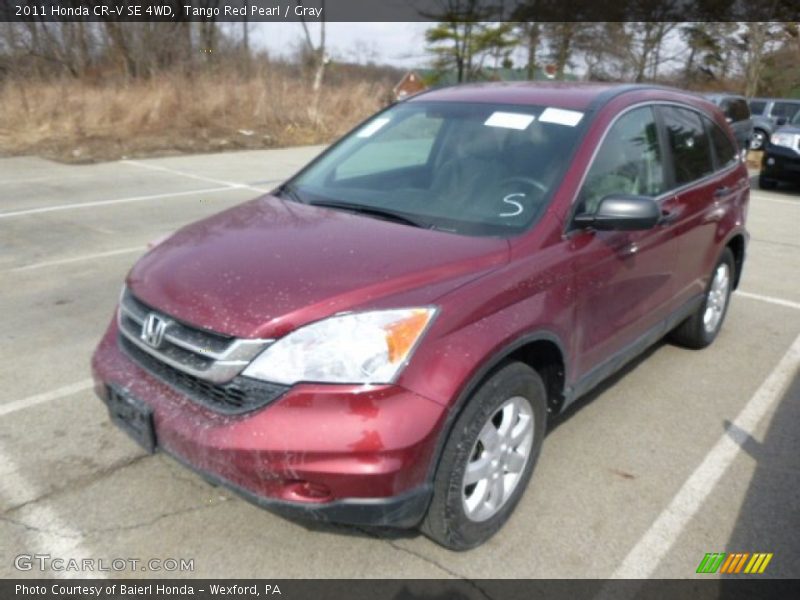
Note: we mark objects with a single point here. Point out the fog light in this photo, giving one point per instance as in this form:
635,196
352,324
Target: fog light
770,161
308,491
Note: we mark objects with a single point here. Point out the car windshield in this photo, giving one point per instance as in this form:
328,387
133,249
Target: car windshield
475,169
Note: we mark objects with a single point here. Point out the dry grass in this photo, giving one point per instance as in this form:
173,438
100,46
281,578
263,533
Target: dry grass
79,121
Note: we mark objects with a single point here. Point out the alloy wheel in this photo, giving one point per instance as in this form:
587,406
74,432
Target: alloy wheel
717,298
498,459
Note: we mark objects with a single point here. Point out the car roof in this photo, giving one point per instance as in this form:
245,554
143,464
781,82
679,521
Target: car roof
571,95
789,100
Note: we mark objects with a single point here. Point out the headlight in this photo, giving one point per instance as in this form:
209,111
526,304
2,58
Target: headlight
787,140
367,347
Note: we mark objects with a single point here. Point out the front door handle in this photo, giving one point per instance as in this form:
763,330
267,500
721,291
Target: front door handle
722,191
667,216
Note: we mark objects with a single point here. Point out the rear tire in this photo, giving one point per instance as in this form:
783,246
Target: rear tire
488,459
702,327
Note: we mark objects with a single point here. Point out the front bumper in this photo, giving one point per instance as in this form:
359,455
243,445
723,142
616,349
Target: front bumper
345,454
780,163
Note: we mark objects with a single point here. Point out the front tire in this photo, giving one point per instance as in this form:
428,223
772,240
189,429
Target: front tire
758,140
701,329
488,459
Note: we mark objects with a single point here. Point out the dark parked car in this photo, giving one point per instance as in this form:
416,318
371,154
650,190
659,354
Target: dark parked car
382,339
737,113
768,114
781,160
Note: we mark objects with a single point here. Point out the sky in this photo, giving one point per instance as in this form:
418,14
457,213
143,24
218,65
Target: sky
397,44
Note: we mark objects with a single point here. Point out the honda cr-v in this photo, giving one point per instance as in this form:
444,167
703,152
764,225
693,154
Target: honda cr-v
382,339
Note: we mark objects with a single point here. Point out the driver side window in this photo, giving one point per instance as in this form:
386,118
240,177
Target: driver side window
629,161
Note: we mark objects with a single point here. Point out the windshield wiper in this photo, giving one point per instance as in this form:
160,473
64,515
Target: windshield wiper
373,211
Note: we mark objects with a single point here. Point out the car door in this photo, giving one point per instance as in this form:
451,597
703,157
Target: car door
698,193
623,279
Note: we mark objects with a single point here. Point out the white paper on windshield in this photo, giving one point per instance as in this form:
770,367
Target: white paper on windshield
561,116
372,127
509,120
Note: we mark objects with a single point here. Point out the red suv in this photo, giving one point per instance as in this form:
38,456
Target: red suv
382,339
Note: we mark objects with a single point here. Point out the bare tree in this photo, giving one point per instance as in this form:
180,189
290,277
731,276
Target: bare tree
563,39
316,51
708,50
208,29
530,38
604,49
754,43
780,74
245,29
646,42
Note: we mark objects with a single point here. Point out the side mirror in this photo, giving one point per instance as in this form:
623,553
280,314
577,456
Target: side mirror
781,121
622,212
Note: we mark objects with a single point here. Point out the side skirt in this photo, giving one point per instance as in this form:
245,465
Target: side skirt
614,363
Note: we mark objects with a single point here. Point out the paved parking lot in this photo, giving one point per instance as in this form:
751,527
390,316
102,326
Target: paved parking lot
683,454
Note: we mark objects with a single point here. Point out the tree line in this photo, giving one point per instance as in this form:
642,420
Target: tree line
141,49
753,58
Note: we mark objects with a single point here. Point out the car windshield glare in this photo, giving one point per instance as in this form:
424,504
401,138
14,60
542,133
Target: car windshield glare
474,169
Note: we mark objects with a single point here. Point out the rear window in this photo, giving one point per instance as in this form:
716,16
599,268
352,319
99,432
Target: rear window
724,150
785,109
687,139
757,107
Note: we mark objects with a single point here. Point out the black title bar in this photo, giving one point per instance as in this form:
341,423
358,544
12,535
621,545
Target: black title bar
698,588
399,10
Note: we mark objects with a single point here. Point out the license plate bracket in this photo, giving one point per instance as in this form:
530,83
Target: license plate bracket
133,416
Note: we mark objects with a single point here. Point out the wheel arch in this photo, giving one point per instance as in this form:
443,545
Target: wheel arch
542,350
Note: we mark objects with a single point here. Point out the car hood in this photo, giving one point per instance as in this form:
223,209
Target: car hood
268,266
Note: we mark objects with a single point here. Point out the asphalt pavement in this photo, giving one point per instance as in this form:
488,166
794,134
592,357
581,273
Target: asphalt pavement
682,454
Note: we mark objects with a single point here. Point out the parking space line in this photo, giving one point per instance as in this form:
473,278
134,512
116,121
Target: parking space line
64,261
770,299
760,197
646,555
27,180
232,184
50,534
62,392
45,209
267,181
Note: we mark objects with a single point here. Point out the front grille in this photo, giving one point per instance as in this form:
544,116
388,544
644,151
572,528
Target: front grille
214,342
203,354
241,394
